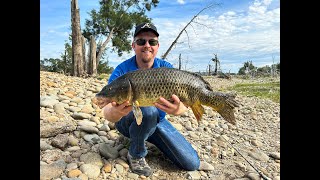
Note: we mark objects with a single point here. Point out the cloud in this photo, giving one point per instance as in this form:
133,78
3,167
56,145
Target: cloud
181,1
235,36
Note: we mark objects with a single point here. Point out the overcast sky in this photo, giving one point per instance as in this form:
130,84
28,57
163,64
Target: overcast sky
236,30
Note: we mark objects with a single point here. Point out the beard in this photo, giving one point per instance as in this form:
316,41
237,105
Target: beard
146,59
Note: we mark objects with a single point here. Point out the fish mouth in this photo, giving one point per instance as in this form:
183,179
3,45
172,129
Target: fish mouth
101,101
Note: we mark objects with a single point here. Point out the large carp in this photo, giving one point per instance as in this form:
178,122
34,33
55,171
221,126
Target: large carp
144,87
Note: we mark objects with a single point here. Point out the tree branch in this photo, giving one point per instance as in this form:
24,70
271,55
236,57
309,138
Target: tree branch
184,29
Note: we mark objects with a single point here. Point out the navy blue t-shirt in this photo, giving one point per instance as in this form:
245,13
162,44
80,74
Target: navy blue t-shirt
131,65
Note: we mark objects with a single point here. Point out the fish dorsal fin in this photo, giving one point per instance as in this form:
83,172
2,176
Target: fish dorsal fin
207,84
197,110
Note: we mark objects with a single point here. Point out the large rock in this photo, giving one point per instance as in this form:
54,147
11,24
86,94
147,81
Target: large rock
50,129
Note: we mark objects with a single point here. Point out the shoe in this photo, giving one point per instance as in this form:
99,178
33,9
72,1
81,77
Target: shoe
139,165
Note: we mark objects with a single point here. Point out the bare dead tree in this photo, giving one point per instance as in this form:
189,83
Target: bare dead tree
186,63
92,57
77,59
217,64
83,43
180,61
184,29
273,68
65,60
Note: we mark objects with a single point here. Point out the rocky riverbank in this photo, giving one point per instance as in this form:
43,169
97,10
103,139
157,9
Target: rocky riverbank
77,143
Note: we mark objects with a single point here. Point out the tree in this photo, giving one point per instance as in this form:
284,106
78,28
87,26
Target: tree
114,22
63,65
180,61
52,65
164,56
247,67
43,67
278,67
103,67
92,62
264,71
217,64
67,59
77,46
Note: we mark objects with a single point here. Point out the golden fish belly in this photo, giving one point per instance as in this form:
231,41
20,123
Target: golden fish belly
148,99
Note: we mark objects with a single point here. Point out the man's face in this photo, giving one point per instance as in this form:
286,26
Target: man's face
145,53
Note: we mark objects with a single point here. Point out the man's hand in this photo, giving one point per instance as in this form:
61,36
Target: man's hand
114,112
175,108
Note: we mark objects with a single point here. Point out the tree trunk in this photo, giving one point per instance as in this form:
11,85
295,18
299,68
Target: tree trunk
76,40
180,61
103,47
216,65
84,61
65,61
92,59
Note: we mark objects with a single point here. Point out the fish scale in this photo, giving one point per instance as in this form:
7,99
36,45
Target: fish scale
161,83
145,87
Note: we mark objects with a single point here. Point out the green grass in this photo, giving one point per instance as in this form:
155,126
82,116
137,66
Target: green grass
103,76
268,90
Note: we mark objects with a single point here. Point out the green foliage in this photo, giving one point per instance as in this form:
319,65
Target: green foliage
104,68
246,66
42,65
260,71
67,58
267,90
103,76
63,65
52,65
119,15
264,69
278,67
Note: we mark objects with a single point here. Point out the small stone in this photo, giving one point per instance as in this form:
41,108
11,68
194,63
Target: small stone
204,166
275,155
107,167
74,173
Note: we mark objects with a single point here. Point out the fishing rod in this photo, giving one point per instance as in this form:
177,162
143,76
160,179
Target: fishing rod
259,172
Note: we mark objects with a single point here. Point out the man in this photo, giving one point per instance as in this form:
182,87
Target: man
154,128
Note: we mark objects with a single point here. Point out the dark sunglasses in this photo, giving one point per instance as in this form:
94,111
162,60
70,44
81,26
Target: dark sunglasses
142,42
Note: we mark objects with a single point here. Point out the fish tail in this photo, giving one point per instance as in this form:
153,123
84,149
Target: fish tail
224,104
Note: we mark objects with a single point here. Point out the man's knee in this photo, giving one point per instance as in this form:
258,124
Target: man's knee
150,112
191,164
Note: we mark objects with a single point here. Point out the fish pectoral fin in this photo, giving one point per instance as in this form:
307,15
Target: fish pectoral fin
197,110
137,112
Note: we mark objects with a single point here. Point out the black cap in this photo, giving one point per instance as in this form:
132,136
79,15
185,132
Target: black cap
145,27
